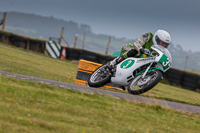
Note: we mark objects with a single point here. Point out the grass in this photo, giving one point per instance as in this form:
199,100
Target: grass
15,61
173,93
170,93
34,108
29,63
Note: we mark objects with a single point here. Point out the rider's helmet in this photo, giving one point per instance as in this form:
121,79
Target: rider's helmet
162,38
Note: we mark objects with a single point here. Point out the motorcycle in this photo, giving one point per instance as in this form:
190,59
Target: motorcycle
138,75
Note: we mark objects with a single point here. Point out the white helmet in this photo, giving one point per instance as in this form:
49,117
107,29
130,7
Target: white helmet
162,38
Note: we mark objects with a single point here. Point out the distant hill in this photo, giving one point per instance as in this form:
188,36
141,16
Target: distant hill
44,27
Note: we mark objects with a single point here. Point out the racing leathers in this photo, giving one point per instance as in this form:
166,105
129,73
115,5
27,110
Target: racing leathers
141,45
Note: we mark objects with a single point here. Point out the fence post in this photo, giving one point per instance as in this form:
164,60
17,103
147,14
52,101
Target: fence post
61,36
186,63
109,40
76,38
83,41
65,41
4,21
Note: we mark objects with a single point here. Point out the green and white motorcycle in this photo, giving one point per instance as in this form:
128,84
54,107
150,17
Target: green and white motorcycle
138,75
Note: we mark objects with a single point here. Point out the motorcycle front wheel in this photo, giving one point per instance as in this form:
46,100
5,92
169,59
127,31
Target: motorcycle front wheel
99,77
140,85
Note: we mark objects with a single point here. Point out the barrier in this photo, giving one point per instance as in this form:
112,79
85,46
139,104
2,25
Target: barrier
53,49
33,44
85,69
77,54
190,81
184,79
174,76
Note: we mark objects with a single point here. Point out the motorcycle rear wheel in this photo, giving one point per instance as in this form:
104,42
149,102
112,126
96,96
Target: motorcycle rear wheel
99,77
140,85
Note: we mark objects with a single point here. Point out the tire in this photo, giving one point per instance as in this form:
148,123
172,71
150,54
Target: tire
155,76
100,72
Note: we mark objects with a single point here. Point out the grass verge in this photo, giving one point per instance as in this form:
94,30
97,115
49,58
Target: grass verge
28,63
33,107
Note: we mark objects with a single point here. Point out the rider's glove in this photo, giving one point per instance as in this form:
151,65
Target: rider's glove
145,51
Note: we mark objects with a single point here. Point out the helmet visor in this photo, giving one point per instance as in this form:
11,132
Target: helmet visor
164,44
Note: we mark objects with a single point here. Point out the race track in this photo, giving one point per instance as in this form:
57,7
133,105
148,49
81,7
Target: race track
118,95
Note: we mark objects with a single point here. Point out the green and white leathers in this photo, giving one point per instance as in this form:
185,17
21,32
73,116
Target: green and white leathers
144,41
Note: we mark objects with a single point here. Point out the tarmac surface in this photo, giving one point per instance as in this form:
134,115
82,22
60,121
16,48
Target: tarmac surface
118,95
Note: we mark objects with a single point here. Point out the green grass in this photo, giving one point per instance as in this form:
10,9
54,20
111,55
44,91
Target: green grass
38,108
173,93
170,93
15,61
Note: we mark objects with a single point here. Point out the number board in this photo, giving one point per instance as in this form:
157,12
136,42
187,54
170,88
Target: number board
164,60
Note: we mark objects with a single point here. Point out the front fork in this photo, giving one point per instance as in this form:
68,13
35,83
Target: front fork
147,70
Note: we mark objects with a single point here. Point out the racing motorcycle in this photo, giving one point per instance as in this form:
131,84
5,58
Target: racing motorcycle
138,75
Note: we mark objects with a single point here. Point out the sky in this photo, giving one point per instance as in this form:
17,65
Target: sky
123,18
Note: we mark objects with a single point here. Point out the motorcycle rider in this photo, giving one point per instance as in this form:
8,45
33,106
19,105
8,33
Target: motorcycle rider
142,45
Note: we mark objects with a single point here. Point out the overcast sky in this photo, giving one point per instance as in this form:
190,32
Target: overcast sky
123,18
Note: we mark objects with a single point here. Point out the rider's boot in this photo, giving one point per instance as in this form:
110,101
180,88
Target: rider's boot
117,60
